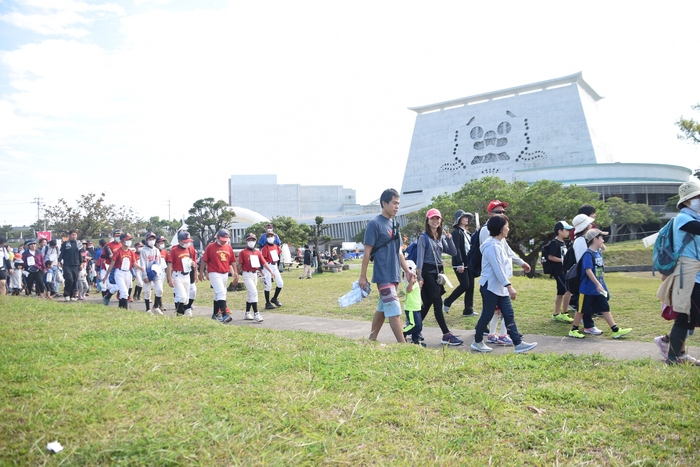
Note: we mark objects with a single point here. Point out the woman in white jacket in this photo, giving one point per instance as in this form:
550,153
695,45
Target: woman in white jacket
496,289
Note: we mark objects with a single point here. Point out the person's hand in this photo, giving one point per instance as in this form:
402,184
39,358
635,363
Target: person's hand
460,269
600,288
448,235
420,283
511,291
362,282
170,283
526,268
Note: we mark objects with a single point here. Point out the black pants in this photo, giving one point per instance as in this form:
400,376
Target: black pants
70,273
38,279
466,287
683,323
431,295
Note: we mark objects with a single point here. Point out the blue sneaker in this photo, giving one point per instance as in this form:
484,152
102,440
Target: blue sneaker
450,339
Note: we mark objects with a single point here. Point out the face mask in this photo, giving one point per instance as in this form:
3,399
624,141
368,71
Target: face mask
251,245
116,239
161,246
695,204
128,243
270,240
269,230
151,242
183,245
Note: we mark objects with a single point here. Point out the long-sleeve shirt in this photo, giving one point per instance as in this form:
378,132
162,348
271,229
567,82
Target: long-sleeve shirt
484,235
430,252
494,267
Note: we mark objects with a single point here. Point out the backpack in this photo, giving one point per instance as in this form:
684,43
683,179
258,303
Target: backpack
547,265
569,258
412,252
573,275
665,259
475,254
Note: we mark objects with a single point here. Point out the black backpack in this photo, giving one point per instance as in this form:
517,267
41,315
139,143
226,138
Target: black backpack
573,275
569,258
547,265
475,254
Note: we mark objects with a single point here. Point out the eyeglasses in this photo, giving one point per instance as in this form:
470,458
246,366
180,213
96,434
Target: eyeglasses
498,212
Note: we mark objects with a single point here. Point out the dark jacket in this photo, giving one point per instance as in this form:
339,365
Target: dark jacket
70,253
462,246
307,257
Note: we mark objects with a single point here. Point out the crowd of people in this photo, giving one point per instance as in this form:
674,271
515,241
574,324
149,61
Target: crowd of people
117,268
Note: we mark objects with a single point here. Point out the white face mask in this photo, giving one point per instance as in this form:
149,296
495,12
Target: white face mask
117,239
251,245
695,204
128,243
151,242
270,240
161,246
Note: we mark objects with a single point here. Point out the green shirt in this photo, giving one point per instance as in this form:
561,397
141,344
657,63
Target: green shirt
413,302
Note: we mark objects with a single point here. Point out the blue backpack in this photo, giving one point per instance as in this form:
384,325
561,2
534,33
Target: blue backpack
665,259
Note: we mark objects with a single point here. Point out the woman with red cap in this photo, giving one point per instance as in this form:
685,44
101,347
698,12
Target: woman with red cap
430,246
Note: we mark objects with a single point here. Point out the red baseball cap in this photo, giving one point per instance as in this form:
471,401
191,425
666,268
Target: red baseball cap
496,203
432,213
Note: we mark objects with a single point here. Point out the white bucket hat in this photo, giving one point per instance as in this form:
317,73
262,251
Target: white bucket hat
580,222
688,190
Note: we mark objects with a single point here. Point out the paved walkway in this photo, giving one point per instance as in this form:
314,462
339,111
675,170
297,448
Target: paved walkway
612,348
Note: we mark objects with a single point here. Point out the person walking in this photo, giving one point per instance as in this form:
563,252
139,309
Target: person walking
181,260
272,254
220,261
429,266
383,245
250,260
307,263
35,266
496,288
460,263
150,259
676,290
123,260
70,259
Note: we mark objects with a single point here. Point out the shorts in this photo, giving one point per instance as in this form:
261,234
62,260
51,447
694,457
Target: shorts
594,304
561,284
3,275
388,300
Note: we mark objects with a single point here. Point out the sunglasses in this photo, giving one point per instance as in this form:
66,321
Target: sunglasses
498,212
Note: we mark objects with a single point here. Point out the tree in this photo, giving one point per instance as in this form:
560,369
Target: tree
318,237
288,230
672,203
158,226
632,216
92,217
533,209
360,237
690,131
207,217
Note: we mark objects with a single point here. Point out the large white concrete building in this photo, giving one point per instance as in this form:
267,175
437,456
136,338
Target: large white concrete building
546,130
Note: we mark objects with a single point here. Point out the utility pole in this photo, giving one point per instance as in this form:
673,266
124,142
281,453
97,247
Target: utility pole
169,209
38,202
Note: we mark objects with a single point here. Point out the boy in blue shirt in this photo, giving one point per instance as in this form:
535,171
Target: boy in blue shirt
593,289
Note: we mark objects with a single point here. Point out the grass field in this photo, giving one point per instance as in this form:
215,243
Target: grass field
121,388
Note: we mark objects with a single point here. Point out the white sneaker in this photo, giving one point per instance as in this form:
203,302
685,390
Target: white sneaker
594,330
66,298
258,318
158,311
188,312
73,299
480,347
445,308
248,315
150,312
685,358
524,347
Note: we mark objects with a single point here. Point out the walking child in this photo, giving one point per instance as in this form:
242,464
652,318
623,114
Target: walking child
414,322
556,252
249,261
83,285
592,289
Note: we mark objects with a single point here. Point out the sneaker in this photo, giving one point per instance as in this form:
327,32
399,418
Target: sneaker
276,302
572,308
158,311
492,339
563,318
685,358
445,308
576,333
504,340
524,347
269,306
480,347
420,337
422,344
621,332
217,317
226,319
188,312
81,298
468,314
248,315
663,346
105,301
594,331
450,339
131,300
66,298
258,318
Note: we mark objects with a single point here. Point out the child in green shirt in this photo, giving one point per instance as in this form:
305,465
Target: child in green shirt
414,323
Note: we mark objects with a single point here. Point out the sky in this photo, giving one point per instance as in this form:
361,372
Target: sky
157,103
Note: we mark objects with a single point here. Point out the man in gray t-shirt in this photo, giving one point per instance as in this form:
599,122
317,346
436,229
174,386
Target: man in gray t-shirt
383,239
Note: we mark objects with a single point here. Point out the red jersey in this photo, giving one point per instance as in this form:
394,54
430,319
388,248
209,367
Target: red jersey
120,259
272,253
178,254
219,258
113,246
251,260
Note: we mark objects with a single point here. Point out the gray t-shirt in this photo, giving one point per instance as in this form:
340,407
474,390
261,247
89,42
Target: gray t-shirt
386,261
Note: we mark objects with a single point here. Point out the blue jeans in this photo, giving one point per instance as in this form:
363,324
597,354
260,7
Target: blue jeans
54,284
491,301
